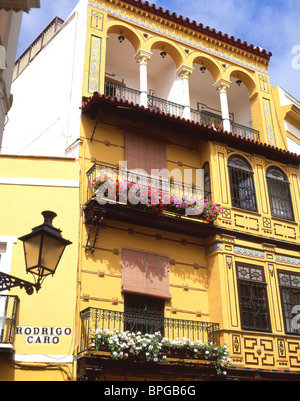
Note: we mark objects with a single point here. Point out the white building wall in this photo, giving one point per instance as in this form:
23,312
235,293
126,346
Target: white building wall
45,117
10,24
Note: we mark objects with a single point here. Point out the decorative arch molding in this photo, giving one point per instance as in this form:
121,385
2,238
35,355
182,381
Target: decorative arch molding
244,76
209,63
156,43
121,28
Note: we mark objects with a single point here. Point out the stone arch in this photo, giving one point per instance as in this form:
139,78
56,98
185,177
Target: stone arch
209,63
244,76
169,48
125,30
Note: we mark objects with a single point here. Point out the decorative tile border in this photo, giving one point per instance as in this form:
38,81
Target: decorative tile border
94,69
287,260
218,247
252,253
175,37
269,122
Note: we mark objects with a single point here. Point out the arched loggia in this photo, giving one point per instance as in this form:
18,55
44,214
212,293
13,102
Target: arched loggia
205,100
121,69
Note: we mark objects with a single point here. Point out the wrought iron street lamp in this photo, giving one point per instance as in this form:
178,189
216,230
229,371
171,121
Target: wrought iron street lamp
43,249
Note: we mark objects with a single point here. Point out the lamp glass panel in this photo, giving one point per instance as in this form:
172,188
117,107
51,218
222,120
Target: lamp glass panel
51,253
32,251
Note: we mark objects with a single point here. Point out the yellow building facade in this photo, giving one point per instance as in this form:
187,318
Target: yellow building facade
37,330
221,287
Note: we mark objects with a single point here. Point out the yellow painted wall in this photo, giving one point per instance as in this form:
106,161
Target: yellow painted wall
54,305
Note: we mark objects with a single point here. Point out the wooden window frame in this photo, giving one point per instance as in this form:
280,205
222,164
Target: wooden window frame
254,306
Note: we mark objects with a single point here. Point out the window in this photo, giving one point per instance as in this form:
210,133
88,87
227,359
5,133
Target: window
207,184
145,273
289,284
279,194
144,152
242,184
253,300
6,252
2,252
145,284
143,313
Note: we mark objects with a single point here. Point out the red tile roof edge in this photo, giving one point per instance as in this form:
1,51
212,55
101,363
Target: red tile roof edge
145,5
87,102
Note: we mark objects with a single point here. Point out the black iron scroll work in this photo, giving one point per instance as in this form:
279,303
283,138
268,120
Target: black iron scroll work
7,282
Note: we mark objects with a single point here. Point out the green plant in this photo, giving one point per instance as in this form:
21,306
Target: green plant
155,199
153,347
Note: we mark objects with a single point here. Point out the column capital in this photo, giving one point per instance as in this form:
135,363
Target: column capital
142,56
184,71
222,85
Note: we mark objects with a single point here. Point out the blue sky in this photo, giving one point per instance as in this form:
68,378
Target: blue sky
273,25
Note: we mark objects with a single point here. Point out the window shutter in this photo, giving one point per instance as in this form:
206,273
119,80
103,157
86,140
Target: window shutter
145,273
144,152
135,151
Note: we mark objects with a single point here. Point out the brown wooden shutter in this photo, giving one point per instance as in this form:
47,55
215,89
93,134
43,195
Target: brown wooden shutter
145,273
144,152
135,151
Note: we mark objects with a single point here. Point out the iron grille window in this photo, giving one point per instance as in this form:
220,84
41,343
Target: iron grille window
144,314
253,299
289,284
242,184
280,194
207,184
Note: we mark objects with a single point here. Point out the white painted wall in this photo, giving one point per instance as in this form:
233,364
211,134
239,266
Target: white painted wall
45,117
10,24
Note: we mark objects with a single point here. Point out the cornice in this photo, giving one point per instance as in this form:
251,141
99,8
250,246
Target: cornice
19,5
193,25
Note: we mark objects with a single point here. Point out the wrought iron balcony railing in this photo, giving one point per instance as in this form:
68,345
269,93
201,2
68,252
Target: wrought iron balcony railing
245,132
165,106
207,119
168,107
8,311
146,322
122,92
166,188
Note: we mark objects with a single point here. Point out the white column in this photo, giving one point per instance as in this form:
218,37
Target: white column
222,86
142,57
184,72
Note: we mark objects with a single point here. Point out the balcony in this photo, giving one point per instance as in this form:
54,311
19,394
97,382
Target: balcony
166,187
110,346
93,320
8,310
173,206
168,107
